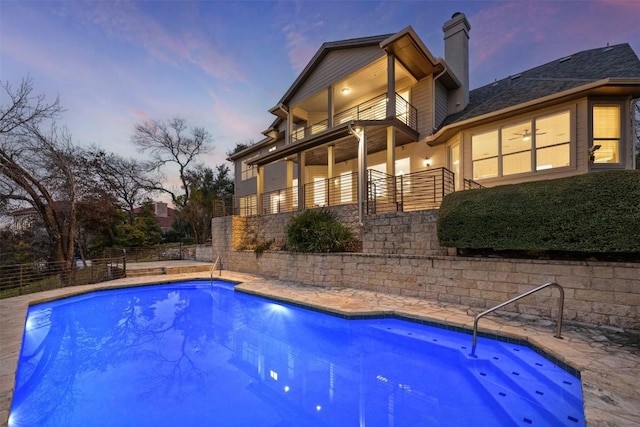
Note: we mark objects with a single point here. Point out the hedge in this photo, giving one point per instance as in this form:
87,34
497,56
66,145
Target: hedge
595,212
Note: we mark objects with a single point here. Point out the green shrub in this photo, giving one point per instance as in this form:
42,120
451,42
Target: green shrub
597,212
318,230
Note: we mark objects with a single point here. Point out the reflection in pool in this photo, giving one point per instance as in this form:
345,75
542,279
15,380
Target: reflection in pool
193,354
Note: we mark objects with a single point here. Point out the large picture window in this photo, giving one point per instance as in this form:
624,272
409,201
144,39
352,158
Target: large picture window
606,133
541,143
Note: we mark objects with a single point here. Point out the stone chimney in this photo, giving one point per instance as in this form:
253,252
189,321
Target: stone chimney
456,53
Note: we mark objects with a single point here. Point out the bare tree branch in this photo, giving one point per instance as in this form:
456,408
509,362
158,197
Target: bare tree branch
172,142
21,108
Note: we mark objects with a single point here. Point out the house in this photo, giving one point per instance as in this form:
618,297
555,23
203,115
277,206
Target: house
164,214
381,121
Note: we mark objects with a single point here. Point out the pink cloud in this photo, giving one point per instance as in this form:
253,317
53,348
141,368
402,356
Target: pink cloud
300,48
126,22
140,115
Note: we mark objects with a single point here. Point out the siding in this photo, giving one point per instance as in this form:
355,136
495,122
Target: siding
246,187
335,66
275,176
421,99
441,107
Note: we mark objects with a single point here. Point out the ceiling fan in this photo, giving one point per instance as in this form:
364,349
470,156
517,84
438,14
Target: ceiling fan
525,135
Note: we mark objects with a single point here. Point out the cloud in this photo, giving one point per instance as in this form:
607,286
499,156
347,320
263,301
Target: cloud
126,22
300,49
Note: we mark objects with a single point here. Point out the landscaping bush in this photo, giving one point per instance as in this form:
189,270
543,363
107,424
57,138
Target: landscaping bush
594,213
318,230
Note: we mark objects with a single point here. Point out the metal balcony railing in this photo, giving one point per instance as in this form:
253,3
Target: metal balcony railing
280,201
372,109
340,190
385,193
469,184
408,192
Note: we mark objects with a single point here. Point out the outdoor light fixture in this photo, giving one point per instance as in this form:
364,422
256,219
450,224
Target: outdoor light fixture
592,152
345,90
427,161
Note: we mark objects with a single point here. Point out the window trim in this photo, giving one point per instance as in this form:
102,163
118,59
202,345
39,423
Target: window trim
621,140
531,118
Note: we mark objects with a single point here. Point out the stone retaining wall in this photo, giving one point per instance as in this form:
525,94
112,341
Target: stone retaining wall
407,233
602,293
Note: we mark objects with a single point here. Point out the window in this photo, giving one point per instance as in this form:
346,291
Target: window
248,205
516,148
606,133
484,153
553,141
543,142
247,171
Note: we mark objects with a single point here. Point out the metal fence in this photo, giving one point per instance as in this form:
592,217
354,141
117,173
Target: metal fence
19,279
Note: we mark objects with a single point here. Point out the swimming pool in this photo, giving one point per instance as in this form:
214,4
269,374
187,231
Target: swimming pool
195,354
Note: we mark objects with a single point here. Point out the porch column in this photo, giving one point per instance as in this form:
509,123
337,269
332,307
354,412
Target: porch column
391,151
259,190
391,86
289,197
331,161
362,170
302,178
330,108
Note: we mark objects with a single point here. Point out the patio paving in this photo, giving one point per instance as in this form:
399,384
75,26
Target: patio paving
608,359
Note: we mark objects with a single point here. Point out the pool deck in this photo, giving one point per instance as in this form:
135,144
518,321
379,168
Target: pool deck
608,360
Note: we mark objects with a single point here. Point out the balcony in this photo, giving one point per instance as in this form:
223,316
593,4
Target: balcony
385,193
373,109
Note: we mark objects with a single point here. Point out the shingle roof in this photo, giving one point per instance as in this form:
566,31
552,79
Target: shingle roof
618,61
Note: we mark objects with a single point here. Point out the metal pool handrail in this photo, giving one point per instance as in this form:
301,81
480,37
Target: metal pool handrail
546,285
213,267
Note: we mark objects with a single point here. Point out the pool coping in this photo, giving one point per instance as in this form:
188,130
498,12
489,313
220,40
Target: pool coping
609,374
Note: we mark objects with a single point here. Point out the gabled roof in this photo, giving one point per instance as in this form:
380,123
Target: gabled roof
319,56
405,45
584,68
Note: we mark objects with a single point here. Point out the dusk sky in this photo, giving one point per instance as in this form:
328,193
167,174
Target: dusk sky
222,65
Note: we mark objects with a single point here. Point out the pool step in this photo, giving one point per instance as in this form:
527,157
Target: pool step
152,271
138,272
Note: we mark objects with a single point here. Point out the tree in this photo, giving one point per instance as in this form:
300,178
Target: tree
205,186
37,167
172,142
240,146
98,215
144,230
128,181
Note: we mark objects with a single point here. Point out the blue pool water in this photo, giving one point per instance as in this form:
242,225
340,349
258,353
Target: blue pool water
195,354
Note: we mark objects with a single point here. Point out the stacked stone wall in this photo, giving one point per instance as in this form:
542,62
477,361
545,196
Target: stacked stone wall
601,293
259,230
407,233
595,292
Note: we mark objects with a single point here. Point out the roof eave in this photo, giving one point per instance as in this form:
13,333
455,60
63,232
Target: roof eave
446,132
411,52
